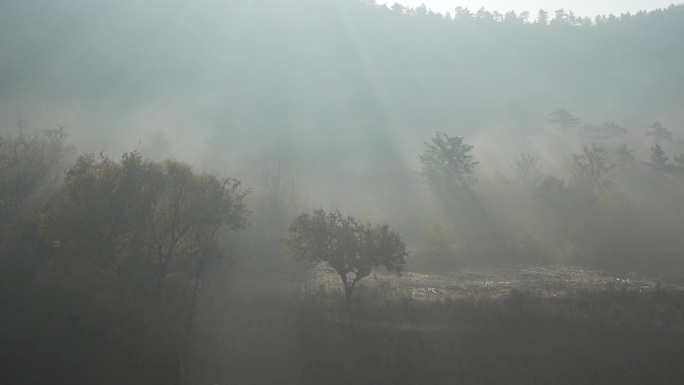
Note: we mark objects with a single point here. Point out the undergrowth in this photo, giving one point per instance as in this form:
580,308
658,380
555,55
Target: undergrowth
383,304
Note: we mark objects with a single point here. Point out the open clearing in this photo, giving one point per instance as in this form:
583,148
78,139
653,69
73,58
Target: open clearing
498,281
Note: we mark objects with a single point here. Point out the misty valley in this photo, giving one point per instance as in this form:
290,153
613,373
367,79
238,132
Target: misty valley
339,192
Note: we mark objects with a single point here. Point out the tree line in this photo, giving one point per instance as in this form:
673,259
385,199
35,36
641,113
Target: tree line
559,17
354,69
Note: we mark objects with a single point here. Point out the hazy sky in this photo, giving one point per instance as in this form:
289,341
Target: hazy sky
580,7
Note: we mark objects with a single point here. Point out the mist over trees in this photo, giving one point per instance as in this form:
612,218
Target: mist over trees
202,156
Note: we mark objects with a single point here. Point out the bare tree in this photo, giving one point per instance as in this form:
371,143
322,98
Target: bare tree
527,169
592,167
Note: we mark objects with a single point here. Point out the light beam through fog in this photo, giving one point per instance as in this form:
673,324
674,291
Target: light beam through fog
224,192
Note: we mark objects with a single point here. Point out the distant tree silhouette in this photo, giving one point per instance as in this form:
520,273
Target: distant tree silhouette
462,14
607,131
659,132
563,119
526,168
611,130
592,168
561,18
484,15
658,159
542,17
447,165
524,17
678,166
625,155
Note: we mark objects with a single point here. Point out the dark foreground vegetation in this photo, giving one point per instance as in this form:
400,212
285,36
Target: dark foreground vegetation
520,338
262,336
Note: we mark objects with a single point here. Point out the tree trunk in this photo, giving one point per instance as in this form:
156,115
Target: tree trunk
348,303
182,374
348,288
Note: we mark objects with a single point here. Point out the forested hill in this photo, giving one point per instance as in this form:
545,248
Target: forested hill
315,71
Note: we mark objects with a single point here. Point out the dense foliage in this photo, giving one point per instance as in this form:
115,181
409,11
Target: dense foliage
447,165
115,252
352,249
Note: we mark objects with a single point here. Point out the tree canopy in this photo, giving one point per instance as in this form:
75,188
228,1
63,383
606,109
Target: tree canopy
128,240
352,249
447,164
659,132
563,119
592,168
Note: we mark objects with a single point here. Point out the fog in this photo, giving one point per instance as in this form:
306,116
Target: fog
569,159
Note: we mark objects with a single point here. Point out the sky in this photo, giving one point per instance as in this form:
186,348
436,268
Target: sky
580,7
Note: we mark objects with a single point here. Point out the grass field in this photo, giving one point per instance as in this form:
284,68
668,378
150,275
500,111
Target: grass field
498,281
505,325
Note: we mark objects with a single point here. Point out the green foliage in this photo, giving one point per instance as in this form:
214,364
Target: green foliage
570,255
323,237
586,216
441,249
29,164
127,241
525,247
347,246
